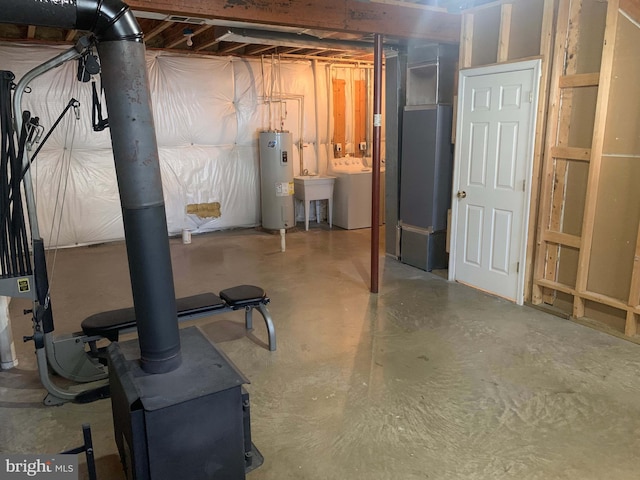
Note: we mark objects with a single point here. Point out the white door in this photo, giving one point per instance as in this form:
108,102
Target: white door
492,171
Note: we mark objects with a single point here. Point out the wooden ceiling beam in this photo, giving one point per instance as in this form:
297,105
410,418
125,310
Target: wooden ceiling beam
258,49
232,47
157,30
361,16
331,53
71,34
287,50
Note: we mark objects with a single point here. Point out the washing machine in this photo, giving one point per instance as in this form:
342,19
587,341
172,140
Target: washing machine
352,192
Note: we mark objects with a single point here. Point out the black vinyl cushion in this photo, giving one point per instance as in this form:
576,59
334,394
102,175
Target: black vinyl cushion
244,295
108,324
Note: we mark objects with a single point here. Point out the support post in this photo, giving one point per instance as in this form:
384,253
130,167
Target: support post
375,190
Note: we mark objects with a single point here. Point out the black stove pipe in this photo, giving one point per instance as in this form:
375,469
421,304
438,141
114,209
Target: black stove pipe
135,151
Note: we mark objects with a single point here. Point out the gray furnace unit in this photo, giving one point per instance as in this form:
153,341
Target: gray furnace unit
425,195
426,165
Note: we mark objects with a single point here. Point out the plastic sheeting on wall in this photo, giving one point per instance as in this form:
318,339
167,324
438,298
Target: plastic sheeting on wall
208,113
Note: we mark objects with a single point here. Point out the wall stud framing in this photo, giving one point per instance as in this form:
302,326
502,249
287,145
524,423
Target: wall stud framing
568,78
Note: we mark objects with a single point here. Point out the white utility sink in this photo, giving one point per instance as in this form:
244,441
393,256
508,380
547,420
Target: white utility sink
314,187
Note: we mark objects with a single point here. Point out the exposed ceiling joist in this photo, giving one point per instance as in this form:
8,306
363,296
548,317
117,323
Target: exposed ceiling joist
257,49
232,47
281,39
265,27
364,16
161,27
289,50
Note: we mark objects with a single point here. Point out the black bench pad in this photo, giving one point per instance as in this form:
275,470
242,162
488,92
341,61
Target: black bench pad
109,324
244,295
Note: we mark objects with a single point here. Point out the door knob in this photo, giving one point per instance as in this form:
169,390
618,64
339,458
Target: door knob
462,194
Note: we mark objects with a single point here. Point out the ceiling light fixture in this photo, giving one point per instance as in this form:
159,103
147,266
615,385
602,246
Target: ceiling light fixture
187,32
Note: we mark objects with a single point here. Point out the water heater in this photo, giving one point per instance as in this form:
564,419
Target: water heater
276,180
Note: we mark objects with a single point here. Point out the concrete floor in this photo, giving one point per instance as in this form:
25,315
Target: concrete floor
426,380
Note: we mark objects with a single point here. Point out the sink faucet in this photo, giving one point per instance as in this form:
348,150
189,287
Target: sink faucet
305,172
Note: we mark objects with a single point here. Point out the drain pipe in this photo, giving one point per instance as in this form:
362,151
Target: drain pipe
135,151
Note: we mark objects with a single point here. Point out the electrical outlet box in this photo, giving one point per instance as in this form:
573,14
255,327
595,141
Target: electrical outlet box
363,146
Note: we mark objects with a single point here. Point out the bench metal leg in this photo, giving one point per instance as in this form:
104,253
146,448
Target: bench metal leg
270,328
248,317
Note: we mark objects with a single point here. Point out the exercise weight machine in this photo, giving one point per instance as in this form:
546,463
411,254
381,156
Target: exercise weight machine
77,356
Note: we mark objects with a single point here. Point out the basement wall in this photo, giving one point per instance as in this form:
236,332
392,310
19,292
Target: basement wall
208,113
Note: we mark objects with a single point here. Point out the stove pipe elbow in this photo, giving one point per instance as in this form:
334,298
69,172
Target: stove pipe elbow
135,151
109,20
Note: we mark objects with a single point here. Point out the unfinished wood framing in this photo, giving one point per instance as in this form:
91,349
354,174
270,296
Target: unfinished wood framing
466,40
508,31
591,170
359,113
631,324
356,16
504,32
546,35
554,189
339,109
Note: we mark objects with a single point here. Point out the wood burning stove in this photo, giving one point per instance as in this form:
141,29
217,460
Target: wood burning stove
192,422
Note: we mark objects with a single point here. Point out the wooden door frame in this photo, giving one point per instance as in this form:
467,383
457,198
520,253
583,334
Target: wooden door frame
536,66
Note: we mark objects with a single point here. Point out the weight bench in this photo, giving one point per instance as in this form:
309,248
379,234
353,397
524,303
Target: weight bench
247,297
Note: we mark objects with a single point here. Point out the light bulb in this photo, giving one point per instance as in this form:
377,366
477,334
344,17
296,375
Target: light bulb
188,33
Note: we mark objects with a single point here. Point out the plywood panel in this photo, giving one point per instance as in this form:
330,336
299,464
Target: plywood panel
339,119
609,316
564,303
486,32
592,21
583,112
631,8
568,266
622,133
360,111
615,227
526,27
575,194
596,156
